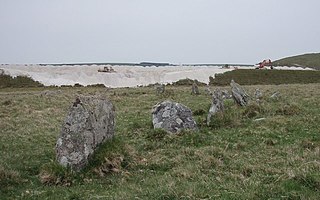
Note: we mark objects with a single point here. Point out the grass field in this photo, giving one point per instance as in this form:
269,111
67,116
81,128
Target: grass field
235,158
306,60
266,77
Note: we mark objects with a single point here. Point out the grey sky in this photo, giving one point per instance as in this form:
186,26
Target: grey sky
175,31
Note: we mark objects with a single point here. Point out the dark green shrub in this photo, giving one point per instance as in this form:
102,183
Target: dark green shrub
18,82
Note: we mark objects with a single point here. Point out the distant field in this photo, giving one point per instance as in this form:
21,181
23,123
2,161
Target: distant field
266,77
306,60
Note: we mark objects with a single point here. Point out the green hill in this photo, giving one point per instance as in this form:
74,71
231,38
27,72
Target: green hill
306,60
266,77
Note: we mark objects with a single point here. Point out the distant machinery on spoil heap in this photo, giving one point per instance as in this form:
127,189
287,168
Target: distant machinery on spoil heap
264,64
106,69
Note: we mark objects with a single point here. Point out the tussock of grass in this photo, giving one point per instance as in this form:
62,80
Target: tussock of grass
54,174
8,177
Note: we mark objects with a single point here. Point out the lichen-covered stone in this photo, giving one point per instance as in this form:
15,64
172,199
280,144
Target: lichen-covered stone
216,104
172,117
195,89
160,89
258,94
89,122
239,94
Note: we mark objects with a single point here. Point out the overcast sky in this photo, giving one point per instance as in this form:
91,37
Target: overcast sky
175,31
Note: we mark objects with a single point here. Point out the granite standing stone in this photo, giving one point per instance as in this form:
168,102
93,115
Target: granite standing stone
89,122
195,89
216,104
239,94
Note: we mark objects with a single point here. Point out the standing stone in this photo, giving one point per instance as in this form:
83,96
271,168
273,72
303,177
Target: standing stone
216,104
195,89
208,90
239,94
258,95
160,89
172,117
90,122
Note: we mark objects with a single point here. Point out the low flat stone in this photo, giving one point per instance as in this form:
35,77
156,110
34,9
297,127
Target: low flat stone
172,117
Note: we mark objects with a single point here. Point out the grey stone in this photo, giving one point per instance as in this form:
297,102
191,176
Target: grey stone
226,94
172,117
1,71
195,89
89,122
239,94
275,95
216,104
160,88
50,92
258,94
208,90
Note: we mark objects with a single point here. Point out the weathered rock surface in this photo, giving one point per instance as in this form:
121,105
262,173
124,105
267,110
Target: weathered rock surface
208,90
172,117
50,92
258,94
216,104
195,89
90,122
239,94
226,94
160,89
275,95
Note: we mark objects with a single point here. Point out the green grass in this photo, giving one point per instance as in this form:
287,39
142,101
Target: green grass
235,157
266,77
306,60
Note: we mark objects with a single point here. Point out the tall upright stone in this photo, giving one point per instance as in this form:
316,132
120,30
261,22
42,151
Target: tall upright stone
216,104
239,94
258,95
195,89
89,122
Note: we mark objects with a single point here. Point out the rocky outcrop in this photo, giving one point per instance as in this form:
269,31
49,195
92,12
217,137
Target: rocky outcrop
89,122
172,117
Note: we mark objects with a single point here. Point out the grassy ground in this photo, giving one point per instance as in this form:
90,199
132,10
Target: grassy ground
266,77
235,158
306,60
